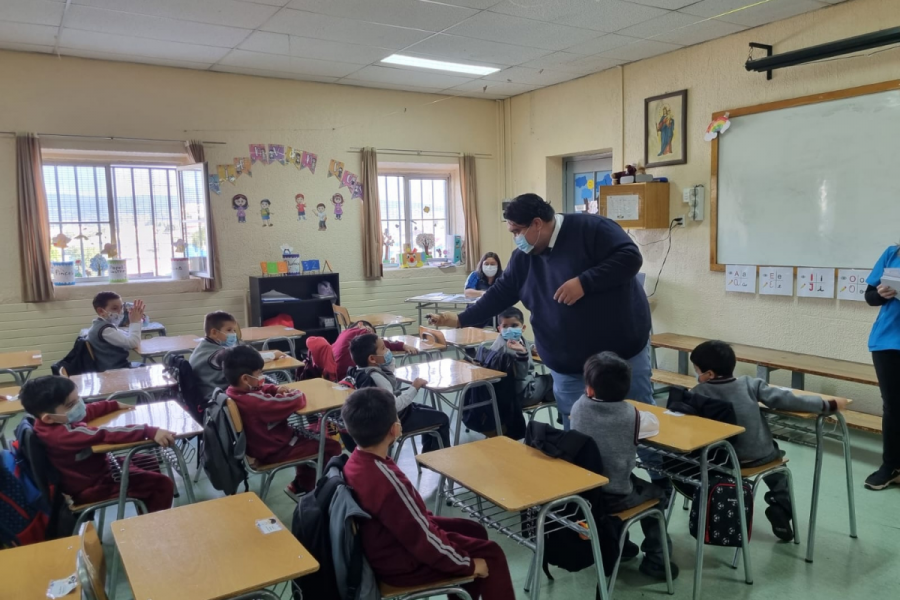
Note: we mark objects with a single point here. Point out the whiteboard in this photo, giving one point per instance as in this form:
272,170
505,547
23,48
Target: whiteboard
815,185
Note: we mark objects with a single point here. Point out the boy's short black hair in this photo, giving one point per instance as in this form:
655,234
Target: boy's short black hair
716,356
102,299
240,361
366,324
609,376
217,320
512,313
369,414
45,394
526,208
362,347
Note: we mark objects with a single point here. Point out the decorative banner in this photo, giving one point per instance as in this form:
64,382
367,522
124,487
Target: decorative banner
258,154
320,212
276,154
309,161
301,207
740,278
335,169
214,184
815,283
293,156
239,203
852,284
338,201
356,191
348,179
227,173
264,211
776,281
717,127
243,165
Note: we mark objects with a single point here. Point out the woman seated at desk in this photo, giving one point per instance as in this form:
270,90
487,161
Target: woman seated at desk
483,277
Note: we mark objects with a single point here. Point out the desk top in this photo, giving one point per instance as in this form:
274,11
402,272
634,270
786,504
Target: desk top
417,343
100,385
382,319
157,346
441,298
207,551
468,336
9,401
261,334
168,415
779,359
511,475
26,571
285,362
321,395
446,374
25,359
686,433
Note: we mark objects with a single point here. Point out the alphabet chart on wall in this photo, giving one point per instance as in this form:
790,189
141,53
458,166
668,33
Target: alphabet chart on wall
851,284
815,283
740,278
776,281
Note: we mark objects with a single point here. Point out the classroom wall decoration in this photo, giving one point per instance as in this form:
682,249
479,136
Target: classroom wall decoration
338,201
258,154
356,191
308,160
740,278
242,165
226,173
320,213
717,127
851,284
276,154
815,283
239,203
335,169
300,201
348,179
292,156
664,119
776,281
265,212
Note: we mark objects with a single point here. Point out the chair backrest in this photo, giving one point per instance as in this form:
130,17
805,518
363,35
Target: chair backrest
342,315
432,335
91,564
238,331
63,372
42,470
235,416
90,350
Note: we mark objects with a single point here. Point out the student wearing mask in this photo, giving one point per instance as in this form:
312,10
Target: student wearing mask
484,275
110,344
531,389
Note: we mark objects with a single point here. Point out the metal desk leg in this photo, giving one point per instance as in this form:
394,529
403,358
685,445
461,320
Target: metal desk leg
461,398
848,465
3,421
323,435
745,539
817,481
185,475
683,362
439,496
798,380
701,518
763,372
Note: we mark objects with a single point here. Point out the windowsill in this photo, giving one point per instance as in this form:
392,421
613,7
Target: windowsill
131,289
425,270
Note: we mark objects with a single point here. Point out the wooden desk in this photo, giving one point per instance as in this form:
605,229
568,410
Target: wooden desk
324,398
161,345
438,299
423,346
686,433
10,405
152,378
208,551
285,363
20,364
468,337
26,571
385,321
768,360
261,334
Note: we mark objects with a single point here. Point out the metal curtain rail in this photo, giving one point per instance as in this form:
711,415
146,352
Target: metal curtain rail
107,137
435,153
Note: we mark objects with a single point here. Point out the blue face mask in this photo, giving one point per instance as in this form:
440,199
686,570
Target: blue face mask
77,413
388,358
523,244
513,334
230,340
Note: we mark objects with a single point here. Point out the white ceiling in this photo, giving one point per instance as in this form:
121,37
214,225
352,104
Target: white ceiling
536,43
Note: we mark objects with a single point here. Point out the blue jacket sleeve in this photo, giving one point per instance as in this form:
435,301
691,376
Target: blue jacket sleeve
472,281
500,296
874,278
616,256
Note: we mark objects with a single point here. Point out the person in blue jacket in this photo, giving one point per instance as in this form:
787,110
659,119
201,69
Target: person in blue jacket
483,277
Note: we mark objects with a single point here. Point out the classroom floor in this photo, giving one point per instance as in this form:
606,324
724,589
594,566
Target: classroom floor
867,565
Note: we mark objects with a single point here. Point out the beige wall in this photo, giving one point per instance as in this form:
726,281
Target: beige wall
605,111
77,96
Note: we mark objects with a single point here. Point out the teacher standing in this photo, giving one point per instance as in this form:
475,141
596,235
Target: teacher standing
884,344
576,274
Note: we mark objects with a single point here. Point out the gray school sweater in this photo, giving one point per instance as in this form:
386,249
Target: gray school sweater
523,367
615,428
206,362
744,394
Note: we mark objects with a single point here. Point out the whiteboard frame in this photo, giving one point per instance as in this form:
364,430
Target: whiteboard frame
864,90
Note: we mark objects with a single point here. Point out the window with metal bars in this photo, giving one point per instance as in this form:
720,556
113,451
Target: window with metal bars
413,205
151,214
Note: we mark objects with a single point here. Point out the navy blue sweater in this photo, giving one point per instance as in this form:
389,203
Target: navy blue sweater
613,314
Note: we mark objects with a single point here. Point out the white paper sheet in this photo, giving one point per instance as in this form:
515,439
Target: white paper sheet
815,283
740,278
623,208
776,281
851,284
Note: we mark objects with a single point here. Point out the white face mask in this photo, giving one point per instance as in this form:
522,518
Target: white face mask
114,318
489,270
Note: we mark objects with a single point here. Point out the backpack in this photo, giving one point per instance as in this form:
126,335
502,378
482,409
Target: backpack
689,402
223,451
481,418
311,526
23,514
723,523
79,359
35,466
191,398
359,377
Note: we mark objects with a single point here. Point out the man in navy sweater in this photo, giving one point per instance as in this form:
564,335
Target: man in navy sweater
576,274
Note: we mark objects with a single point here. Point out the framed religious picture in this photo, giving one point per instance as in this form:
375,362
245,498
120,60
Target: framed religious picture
665,118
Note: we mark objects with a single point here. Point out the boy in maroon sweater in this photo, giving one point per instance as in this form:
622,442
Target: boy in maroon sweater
404,543
265,410
61,423
341,346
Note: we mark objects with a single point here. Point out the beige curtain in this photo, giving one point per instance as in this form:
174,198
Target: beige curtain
371,221
198,155
469,202
34,224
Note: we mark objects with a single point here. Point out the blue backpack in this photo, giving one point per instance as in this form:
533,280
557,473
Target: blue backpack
24,516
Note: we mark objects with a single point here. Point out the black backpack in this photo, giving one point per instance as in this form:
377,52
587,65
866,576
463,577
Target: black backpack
689,402
481,418
223,449
79,359
311,526
46,478
723,522
192,400
359,377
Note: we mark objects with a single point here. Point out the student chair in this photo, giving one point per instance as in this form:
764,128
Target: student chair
448,587
649,509
253,466
411,435
342,315
90,564
534,409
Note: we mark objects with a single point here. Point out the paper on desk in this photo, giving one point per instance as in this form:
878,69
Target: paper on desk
673,413
62,587
268,526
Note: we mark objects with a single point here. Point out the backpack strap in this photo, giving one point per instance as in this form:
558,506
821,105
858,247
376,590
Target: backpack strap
637,425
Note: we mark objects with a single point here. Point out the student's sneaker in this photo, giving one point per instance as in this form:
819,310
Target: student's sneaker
883,478
779,514
656,570
630,550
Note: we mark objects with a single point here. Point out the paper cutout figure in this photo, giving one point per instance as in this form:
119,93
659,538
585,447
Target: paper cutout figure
111,250
815,283
300,200
387,241
426,240
179,246
99,264
239,203
276,154
264,211
348,179
740,278
285,250
426,209
320,212
61,241
258,154
282,267
227,173
243,166
852,284
214,184
338,201
717,127
270,268
309,161
776,281
411,258
335,169
356,191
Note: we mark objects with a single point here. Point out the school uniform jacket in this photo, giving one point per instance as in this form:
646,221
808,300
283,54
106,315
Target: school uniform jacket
401,536
69,446
264,413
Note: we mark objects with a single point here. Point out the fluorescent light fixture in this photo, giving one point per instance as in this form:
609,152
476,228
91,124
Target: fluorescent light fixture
425,63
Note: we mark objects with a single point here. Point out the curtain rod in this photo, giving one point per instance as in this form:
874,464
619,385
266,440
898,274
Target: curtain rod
106,137
434,153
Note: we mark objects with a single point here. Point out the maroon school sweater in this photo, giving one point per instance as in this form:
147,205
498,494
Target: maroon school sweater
265,412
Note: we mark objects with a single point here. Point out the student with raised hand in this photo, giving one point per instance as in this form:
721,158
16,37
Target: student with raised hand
110,344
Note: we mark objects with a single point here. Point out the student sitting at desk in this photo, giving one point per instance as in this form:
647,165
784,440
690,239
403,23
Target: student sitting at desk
341,347
531,389
110,344
61,423
404,543
616,426
714,362
265,409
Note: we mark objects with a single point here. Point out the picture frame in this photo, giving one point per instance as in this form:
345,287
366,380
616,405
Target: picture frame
665,119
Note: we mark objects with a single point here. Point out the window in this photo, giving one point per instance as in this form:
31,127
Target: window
150,213
412,205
